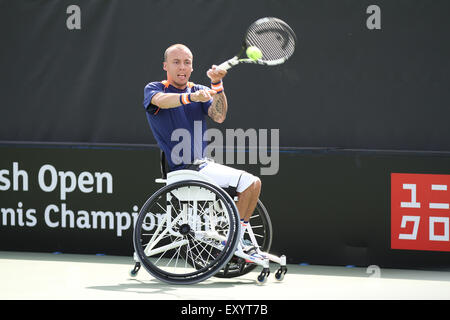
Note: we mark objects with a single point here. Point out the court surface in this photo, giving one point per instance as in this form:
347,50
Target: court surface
30,276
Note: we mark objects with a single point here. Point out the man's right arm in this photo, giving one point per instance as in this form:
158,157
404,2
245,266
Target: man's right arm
173,100
166,100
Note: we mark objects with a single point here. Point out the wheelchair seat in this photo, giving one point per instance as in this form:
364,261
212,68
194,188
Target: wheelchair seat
169,177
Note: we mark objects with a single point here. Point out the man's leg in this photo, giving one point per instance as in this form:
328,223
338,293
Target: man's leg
248,186
246,204
248,199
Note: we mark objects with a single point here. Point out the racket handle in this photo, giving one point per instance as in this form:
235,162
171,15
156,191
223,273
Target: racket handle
228,64
224,66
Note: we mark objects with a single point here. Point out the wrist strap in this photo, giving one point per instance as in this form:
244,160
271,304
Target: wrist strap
185,98
217,86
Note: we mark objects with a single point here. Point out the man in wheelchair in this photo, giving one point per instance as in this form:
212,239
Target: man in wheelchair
177,103
167,238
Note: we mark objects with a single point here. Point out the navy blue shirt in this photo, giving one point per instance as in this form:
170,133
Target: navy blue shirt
163,122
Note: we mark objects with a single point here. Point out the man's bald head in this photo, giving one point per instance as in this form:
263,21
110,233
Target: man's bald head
177,46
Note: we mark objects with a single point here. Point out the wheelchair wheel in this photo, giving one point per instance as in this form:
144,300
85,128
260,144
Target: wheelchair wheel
262,229
186,232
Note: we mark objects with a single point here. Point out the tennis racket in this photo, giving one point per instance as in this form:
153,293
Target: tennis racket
272,36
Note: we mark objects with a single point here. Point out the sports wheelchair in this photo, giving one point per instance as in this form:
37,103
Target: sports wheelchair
189,230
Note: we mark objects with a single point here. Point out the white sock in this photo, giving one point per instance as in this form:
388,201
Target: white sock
243,228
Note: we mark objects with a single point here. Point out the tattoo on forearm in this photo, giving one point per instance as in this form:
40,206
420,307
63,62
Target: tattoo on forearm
218,109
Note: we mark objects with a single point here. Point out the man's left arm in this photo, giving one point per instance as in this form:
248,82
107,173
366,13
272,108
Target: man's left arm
219,107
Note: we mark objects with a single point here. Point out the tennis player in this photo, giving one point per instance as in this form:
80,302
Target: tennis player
176,103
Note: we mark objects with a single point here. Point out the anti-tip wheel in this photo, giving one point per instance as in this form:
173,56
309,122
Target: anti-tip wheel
262,278
134,272
279,275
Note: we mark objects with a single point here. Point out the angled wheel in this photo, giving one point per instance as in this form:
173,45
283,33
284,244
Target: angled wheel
262,230
186,232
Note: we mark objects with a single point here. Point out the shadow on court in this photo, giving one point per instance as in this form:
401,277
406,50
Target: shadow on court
155,287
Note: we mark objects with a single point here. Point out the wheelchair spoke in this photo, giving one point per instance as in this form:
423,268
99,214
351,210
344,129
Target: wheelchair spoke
203,248
177,253
155,240
164,249
189,254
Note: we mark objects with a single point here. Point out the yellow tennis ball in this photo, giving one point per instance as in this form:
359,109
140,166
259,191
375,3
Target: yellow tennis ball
254,53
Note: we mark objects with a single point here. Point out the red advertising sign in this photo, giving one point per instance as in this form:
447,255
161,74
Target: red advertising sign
420,211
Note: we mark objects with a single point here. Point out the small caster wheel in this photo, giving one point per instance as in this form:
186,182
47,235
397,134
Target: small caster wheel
279,275
135,270
262,278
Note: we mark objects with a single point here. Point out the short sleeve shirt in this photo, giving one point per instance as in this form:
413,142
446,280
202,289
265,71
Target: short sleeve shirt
189,118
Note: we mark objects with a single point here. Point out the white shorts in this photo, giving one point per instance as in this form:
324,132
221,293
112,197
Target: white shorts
226,176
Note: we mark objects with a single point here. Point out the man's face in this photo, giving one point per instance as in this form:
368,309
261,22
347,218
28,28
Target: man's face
178,65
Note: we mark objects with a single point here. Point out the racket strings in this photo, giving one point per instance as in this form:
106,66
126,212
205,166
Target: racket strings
273,37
